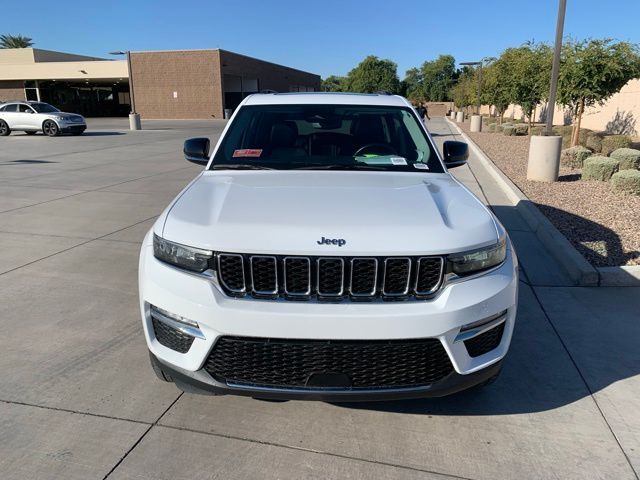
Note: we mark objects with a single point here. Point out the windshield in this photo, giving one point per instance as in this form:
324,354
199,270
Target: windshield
43,108
340,137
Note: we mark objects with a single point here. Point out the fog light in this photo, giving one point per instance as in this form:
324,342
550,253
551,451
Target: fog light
471,330
178,322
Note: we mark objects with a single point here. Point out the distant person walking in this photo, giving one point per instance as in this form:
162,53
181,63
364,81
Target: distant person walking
426,112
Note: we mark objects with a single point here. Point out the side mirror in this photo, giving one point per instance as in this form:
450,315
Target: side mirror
196,150
455,153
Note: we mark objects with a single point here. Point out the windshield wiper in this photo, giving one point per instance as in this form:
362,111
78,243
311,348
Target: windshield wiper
341,167
239,166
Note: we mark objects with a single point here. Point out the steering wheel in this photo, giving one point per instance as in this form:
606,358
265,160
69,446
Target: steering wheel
386,146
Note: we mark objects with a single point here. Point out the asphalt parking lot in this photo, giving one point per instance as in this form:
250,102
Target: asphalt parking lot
78,399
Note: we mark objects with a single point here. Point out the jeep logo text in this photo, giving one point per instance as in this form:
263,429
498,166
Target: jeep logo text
332,241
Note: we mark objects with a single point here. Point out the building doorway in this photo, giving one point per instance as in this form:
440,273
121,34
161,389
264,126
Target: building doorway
103,98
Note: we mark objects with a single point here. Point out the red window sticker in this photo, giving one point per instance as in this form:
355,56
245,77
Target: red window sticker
247,152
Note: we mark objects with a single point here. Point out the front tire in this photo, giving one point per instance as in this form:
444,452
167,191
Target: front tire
50,128
4,129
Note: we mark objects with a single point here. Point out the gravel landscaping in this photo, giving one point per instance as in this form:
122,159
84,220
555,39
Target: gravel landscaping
603,225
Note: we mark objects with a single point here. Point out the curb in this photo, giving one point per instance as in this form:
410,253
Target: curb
580,271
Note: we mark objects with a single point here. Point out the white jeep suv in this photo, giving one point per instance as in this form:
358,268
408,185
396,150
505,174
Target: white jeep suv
32,117
325,252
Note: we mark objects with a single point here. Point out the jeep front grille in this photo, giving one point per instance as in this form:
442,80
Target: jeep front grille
329,278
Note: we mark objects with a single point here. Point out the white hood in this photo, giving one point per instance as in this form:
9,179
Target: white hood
288,212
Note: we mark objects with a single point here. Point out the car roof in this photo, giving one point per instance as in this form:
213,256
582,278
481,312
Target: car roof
330,98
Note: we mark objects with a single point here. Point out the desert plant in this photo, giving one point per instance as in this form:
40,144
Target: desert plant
574,157
537,130
594,142
493,127
509,130
522,129
600,168
626,181
613,142
629,158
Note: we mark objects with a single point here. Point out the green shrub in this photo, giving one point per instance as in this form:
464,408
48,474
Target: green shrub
599,168
506,124
538,130
509,130
574,157
594,142
613,142
626,181
493,127
522,129
629,158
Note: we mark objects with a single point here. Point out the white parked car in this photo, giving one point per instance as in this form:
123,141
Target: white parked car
325,252
33,117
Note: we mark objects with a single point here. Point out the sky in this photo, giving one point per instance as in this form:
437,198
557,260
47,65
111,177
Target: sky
327,37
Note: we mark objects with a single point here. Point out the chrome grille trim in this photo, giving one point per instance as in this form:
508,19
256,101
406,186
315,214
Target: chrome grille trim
275,268
375,278
284,269
323,294
438,285
384,280
244,280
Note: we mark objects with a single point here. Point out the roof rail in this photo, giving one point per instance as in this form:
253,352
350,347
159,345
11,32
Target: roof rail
268,91
383,92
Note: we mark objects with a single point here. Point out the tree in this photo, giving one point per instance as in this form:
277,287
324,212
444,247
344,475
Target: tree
495,90
437,77
333,83
591,71
373,75
529,68
411,86
465,91
15,41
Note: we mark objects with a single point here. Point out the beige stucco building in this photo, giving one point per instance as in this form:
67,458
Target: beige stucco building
167,84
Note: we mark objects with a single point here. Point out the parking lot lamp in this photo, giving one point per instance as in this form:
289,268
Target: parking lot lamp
134,117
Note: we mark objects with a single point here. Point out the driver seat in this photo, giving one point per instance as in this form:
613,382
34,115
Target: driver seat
367,129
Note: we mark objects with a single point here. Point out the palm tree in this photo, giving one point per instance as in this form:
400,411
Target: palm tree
15,41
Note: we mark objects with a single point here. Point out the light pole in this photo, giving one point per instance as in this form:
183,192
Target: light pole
544,151
134,117
555,68
479,65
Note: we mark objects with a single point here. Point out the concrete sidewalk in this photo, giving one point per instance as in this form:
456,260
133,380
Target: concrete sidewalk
78,399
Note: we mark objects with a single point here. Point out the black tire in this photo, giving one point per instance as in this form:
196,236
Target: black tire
50,128
4,129
30,132
157,369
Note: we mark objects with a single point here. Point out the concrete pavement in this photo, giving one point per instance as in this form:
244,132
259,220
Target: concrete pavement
78,399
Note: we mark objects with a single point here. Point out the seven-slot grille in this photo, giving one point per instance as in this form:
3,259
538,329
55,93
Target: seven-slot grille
329,278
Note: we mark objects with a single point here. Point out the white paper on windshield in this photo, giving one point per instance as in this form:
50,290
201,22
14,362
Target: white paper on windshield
398,160
420,166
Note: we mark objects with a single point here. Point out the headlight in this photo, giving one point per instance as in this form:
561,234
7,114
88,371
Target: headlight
466,263
59,117
189,258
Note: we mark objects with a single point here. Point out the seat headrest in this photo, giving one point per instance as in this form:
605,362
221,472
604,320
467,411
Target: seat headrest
283,134
368,129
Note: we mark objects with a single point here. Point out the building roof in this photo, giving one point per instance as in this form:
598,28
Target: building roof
332,98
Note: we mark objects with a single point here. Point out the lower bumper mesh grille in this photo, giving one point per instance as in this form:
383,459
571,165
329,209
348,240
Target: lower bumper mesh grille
485,342
290,363
171,337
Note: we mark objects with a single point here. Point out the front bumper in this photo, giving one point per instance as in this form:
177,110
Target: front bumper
72,127
201,300
202,383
